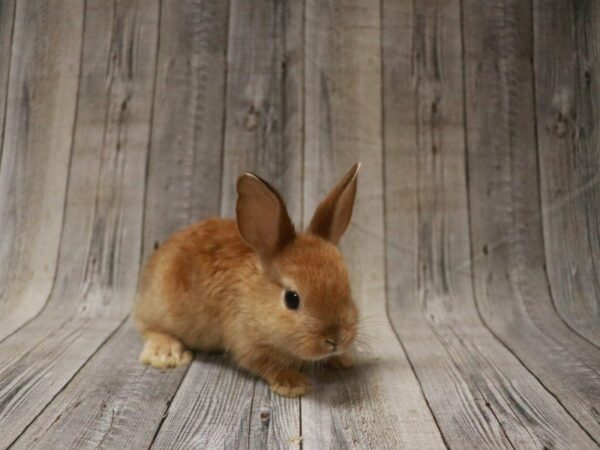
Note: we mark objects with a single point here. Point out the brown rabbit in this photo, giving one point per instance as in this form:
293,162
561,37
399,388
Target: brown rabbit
275,299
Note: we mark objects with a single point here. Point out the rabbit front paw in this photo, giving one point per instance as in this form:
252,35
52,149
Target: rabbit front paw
290,383
163,351
343,361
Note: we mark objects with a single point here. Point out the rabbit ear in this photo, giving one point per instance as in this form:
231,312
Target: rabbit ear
262,217
333,214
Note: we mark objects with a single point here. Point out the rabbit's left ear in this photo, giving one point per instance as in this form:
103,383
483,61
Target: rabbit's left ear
262,217
333,214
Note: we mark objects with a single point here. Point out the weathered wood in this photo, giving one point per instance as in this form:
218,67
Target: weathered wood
479,392
113,402
263,128
40,111
511,286
192,41
185,167
266,408
100,254
217,405
567,64
7,20
75,111
212,408
379,403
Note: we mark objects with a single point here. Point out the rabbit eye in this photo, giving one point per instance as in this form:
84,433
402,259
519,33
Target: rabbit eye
292,299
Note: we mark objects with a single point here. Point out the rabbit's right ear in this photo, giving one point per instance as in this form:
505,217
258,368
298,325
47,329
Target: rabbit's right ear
333,214
262,218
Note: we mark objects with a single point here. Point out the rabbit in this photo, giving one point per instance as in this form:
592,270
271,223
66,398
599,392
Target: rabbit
276,299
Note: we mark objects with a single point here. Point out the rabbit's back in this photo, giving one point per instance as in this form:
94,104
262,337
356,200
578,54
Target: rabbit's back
189,286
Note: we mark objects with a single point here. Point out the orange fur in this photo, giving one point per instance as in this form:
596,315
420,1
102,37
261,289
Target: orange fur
218,285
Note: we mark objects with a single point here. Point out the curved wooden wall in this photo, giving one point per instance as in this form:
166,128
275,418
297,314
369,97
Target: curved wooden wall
474,248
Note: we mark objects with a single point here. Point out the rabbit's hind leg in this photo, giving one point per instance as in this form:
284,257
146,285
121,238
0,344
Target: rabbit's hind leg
162,351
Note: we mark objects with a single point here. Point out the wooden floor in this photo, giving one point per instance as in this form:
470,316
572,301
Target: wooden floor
474,247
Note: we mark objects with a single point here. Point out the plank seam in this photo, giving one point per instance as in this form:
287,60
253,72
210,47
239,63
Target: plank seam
412,367
224,116
488,405
170,402
150,133
7,84
302,173
384,207
303,125
460,374
250,415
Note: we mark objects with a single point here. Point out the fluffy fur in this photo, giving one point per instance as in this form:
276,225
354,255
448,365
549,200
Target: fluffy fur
220,284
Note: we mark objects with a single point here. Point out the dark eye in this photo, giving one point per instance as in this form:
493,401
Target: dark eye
292,299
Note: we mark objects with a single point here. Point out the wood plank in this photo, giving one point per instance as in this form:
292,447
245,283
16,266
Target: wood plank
211,409
378,404
511,286
479,392
194,33
265,99
100,252
40,111
113,402
187,134
7,20
218,405
567,60
267,407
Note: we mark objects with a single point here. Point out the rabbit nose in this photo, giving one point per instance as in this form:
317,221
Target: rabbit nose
332,343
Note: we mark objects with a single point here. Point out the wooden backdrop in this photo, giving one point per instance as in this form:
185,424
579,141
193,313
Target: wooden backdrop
474,247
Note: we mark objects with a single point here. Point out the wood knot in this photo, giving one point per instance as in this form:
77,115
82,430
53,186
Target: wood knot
561,125
252,118
265,418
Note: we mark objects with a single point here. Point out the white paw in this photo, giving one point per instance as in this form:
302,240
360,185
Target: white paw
162,353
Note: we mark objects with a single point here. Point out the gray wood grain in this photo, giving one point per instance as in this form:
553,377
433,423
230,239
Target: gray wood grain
187,135
511,286
212,408
567,60
473,250
274,420
7,20
100,253
263,127
40,112
113,402
127,408
479,392
218,405
379,403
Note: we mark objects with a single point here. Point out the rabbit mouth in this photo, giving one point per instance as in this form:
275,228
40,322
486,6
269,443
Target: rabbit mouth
319,350
319,345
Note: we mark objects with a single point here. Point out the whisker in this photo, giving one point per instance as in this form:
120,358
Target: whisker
369,316
368,337
373,321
